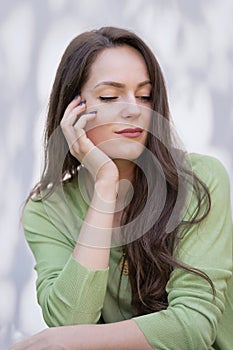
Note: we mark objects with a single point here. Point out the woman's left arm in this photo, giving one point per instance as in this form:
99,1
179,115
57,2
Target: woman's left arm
125,335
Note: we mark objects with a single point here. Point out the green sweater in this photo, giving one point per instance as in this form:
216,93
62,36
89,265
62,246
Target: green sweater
70,294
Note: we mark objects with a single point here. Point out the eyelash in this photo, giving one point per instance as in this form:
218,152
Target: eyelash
108,98
111,98
145,98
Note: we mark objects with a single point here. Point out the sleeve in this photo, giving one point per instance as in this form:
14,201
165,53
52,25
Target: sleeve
192,316
67,292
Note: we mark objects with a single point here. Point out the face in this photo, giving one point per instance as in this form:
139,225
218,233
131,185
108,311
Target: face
119,89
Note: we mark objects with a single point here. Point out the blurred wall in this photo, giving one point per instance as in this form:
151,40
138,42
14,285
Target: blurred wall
193,41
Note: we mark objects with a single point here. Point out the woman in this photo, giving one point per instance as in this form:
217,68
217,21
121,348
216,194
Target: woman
132,237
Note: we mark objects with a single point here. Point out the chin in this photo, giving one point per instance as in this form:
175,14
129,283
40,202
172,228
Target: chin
127,152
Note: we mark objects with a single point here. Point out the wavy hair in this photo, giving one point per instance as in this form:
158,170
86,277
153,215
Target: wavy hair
150,258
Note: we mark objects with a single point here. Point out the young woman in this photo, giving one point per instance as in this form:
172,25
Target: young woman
132,236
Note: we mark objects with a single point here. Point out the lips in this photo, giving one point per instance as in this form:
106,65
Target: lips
130,132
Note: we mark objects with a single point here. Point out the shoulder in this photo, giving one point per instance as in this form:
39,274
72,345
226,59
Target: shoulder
208,185
214,229
65,208
209,169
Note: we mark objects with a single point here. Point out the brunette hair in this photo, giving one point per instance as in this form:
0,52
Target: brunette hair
150,258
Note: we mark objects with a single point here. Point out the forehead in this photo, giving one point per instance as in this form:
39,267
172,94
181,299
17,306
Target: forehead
117,64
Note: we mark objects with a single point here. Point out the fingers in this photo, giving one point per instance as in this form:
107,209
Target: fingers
73,127
79,126
81,143
74,109
74,103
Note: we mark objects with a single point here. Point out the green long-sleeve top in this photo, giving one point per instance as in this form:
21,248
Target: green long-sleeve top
70,294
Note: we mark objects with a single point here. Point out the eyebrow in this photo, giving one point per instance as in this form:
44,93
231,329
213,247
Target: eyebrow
120,85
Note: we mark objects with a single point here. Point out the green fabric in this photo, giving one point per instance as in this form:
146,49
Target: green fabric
71,294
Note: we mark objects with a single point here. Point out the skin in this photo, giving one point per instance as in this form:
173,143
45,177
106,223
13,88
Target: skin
121,106
109,159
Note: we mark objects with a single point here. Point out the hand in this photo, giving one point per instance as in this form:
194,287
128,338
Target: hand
81,147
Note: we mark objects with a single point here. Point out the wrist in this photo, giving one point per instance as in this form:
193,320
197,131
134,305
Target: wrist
106,190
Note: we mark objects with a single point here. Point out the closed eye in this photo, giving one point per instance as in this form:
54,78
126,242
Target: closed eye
144,98
107,98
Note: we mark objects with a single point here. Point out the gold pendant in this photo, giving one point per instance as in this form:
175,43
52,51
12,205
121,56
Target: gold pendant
123,266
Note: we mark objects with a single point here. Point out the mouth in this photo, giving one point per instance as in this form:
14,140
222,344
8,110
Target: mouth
130,132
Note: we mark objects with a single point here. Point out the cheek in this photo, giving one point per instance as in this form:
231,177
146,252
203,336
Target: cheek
98,134
92,135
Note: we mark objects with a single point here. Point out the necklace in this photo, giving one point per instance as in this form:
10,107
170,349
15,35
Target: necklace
123,265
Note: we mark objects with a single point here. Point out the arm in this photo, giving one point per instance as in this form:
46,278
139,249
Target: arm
124,335
51,249
96,230
93,247
192,319
71,288
68,292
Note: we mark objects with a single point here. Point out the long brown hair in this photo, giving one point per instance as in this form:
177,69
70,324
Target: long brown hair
150,257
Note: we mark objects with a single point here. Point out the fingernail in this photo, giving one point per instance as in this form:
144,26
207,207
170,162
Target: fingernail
93,112
77,96
82,103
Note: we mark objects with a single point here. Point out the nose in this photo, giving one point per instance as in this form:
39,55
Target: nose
131,109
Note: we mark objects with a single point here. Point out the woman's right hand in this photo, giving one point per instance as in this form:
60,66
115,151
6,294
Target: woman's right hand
73,124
